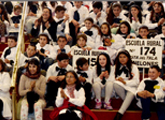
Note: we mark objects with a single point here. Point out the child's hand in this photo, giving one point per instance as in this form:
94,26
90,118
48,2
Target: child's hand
149,94
98,15
88,48
82,79
102,75
66,18
61,77
7,61
63,94
161,21
121,80
75,23
36,23
114,25
32,85
47,25
59,51
16,25
69,38
129,36
106,75
142,94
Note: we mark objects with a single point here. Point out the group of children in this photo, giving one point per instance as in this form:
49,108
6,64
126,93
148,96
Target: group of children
84,26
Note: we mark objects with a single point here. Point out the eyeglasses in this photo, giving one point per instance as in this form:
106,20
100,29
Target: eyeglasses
70,77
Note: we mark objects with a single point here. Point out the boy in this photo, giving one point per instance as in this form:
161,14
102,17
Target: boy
31,52
77,16
150,93
46,51
62,45
98,15
9,53
65,4
62,22
85,77
55,75
144,32
15,20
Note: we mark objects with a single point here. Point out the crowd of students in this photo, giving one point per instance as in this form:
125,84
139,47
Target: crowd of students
45,76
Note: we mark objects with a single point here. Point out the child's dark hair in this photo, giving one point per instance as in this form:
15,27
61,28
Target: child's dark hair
98,5
45,35
109,29
62,56
62,36
81,35
33,45
4,12
80,62
156,67
125,23
163,24
78,84
12,37
143,27
118,64
17,7
35,62
60,8
110,15
107,67
3,65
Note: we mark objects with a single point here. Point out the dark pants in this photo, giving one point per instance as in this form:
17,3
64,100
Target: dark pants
87,88
51,92
46,63
148,105
1,108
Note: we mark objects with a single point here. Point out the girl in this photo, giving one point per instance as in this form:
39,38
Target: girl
102,80
126,79
70,100
91,30
5,100
32,88
156,17
124,30
45,24
135,18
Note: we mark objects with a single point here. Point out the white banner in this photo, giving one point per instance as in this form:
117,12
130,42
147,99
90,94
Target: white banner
145,52
91,56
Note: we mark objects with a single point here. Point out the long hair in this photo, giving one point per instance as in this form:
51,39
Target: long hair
110,15
125,23
4,12
153,14
78,84
139,14
129,63
109,29
107,67
2,65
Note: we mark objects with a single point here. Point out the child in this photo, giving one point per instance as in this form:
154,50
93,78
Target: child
81,43
77,16
15,20
46,51
70,100
144,32
102,80
98,15
62,22
85,77
5,100
150,94
126,80
9,53
66,4
62,45
92,32
55,75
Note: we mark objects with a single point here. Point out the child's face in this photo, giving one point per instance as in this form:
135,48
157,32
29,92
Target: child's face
77,4
31,51
18,12
88,24
104,29
60,14
124,29
81,42
163,30
143,32
102,60
96,10
134,11
116,11
61,42
123,59
63,2
43,41
63,63
107,42
153,73
46,14
157,8
70,79
32,68
84,67
11,43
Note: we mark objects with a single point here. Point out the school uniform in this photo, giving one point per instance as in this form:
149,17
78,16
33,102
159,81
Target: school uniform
66,49
120,18
67,5
100,20
155,87
5,83
52,87
75,47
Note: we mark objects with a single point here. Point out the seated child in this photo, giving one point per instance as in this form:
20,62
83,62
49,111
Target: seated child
150,94
144,32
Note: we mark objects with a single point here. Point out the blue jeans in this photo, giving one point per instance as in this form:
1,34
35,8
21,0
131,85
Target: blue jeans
47,62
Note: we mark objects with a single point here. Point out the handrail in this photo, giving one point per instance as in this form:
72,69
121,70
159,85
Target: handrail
20,43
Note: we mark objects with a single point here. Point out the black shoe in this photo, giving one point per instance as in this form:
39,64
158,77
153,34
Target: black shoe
118,116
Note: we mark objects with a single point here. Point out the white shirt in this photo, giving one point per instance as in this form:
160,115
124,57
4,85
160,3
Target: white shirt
148,22
66,47
67,5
